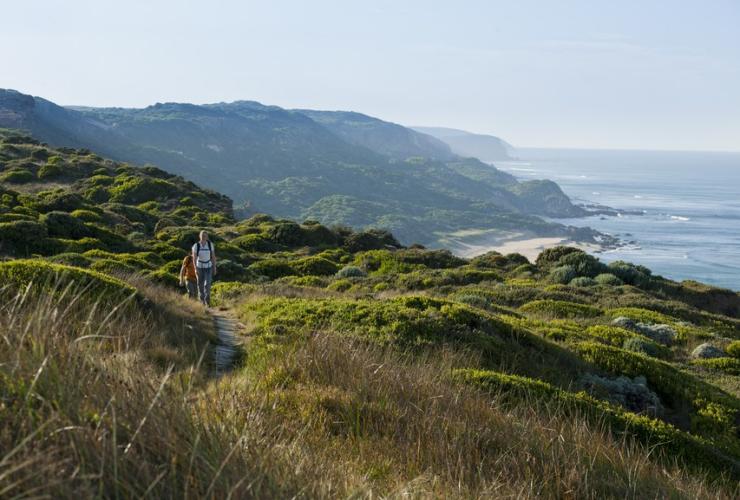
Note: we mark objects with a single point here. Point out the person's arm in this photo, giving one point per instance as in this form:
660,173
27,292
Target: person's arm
182,271
213,257
195,259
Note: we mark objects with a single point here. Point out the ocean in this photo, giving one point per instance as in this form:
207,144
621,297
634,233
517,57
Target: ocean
690,205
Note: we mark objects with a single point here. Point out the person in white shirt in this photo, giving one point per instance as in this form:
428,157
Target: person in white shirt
204,256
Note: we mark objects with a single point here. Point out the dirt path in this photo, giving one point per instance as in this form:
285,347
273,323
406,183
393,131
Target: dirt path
228,346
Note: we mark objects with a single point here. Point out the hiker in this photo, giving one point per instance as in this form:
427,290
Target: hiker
204,255
188,276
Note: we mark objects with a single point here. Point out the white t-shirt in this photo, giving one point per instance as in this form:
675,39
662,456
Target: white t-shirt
204,259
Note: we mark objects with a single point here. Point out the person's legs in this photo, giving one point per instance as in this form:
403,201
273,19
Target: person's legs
201,282
204,285
207,286
192,289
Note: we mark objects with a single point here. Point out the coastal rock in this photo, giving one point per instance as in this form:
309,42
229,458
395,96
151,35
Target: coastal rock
706,351
632,394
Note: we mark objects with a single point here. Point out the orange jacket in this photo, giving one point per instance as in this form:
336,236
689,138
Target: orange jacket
188,269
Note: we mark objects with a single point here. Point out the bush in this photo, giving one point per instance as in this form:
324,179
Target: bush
560,309
63,225
254,243
22,237
642,346
563,274
272,268
317,266
86,215
351,272
134,190
629,273
17,177
584,264
733,349
582,281
286,233
19,273
608,279
730,366
50,170
373,239
551,256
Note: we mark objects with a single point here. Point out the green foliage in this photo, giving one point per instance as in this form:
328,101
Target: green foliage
45,275
642,346
23,237
272,268
64,225
608,279
668,440
132,189
560,309
582,281
731,366
17,177
351,272
733,349
563,274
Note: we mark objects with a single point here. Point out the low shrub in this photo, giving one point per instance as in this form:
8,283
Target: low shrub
563,274
272,268
733,349
608,279
642,346
351,272
560,309
317,266
731,366
582,281
45,275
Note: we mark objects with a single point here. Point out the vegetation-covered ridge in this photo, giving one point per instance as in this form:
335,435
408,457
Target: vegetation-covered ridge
337,168
370,368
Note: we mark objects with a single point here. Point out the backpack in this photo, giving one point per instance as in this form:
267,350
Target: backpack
210,252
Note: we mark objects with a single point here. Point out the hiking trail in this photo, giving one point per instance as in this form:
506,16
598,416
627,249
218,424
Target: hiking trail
228,345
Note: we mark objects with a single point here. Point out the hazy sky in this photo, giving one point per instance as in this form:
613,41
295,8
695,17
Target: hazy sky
581,73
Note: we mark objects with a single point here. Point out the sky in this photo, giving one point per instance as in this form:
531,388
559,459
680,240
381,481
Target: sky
647,74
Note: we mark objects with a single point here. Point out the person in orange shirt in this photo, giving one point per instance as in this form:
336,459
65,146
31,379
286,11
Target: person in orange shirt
188,276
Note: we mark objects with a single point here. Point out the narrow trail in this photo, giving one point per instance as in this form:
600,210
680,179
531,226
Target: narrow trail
228,345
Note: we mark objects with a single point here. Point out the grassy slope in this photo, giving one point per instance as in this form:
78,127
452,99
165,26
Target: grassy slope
370,369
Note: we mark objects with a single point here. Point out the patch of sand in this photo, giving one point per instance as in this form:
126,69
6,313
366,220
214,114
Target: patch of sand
530,247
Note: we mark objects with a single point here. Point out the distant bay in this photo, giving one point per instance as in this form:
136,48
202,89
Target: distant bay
690,227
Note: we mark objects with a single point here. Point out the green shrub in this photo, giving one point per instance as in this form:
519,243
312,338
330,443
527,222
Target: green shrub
86,215
667,440
552,256
613,335
225,291
22,237
81,245
642,346
50,171
582,281
630,273
731,366
19,273
254,243
272,268
17,177
71,259
351,272
733,349
340,285
560,309
563,274
64,225
112,266
608,279
133,190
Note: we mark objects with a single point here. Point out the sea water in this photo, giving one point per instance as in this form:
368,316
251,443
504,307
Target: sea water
690,205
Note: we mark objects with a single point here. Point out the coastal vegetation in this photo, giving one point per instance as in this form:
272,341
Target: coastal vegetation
368,368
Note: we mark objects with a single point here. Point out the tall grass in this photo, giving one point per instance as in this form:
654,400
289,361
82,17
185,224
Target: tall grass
119,403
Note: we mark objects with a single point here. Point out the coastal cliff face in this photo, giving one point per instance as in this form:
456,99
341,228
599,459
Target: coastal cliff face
339,168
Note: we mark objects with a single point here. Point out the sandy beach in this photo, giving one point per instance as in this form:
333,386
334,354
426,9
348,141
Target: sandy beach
530,247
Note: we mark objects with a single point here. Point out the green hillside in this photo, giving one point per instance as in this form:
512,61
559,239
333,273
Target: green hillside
337,168
367,368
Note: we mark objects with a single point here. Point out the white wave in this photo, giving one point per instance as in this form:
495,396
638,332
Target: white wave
596,193
678,217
